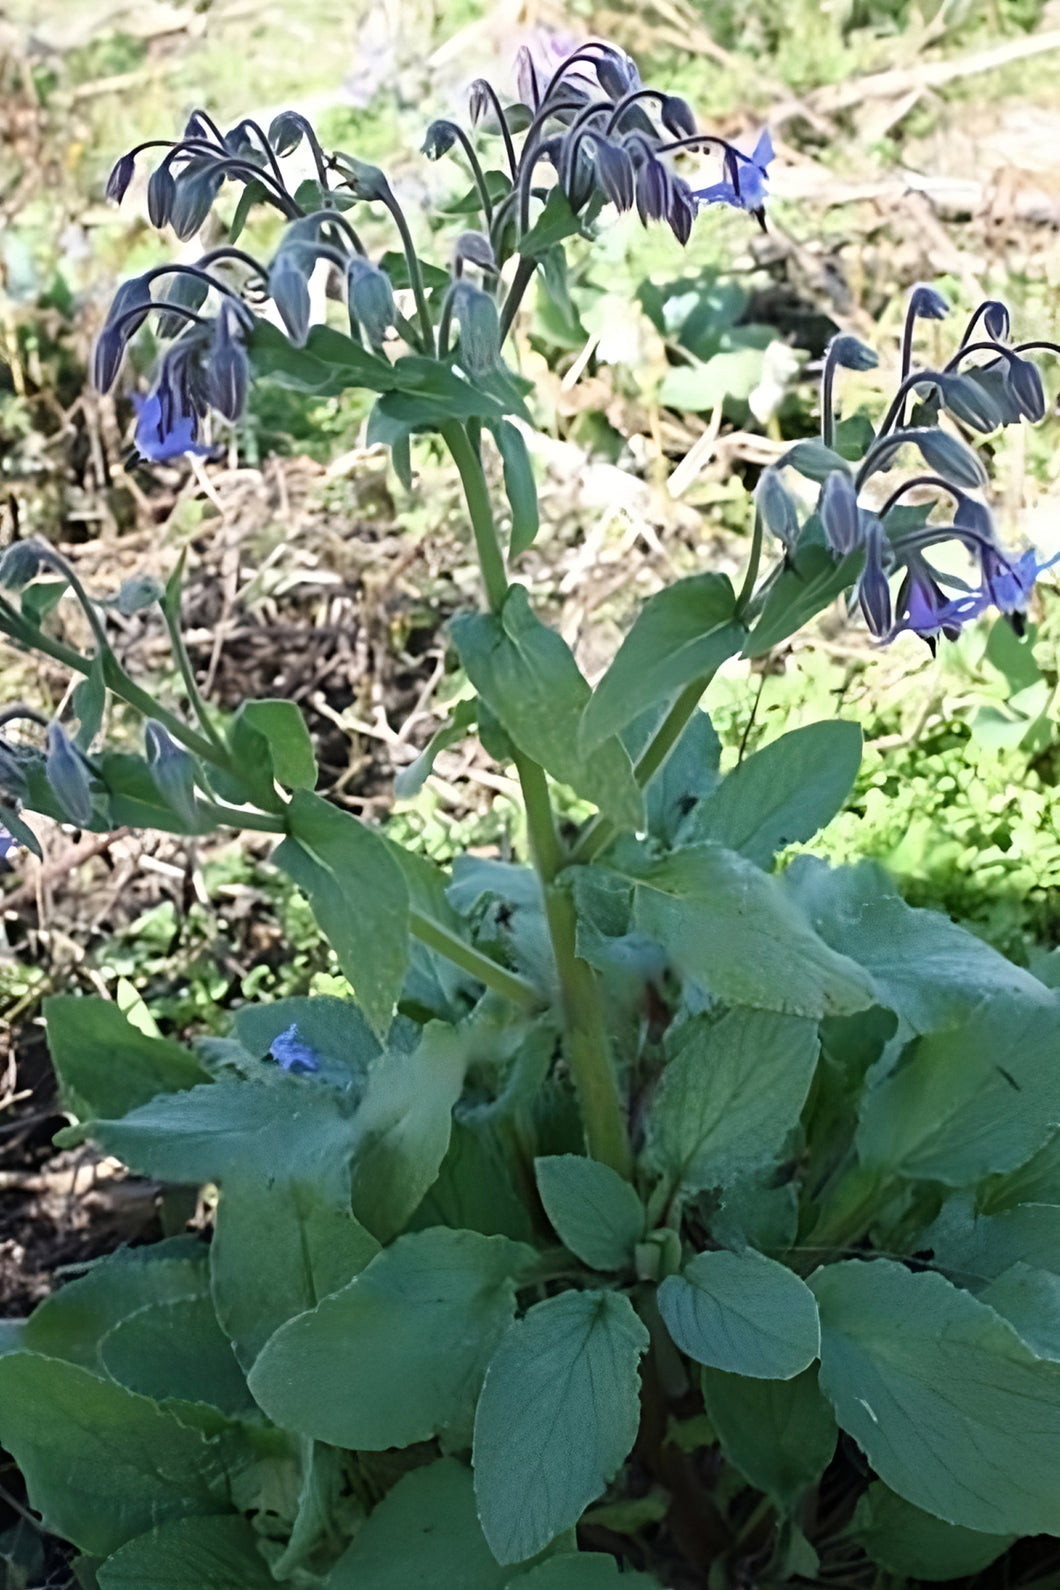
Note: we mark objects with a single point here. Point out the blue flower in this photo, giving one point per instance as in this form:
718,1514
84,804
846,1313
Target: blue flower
746,184
291,1054
1007,582
161,436
8,846
924,609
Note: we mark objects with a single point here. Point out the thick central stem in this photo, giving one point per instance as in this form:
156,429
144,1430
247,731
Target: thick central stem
588,1047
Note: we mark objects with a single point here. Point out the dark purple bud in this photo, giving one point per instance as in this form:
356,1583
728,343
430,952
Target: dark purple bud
439,139
526,77
474,248
949,457
370,298
286,132
184,289
228,367
851,353
677,117
616,73
874,592
120,177
653,190
479,100
683,210
777,508
193,200
1026,384
161,191
289,289
67,774
838,508
969,402
198,127
239,141
614,170
106,358
480,331
974,517
927,303
20,563
995,319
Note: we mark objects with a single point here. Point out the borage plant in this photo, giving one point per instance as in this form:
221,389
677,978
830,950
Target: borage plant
646,1214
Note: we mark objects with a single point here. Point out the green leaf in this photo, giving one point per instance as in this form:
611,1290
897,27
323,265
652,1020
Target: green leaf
189,1554
780,1434
813,459
738,934
977,1248
72,1321
913,1544
687,776
278,1248
520,487
329,363
731,1094
682,633
20,830
1030,1301
89,700
282,726
176,1349
951,1408
527,676
339,863
334,1027
970,1100
105,1065
475,1189
101,1464
426,392
556,222
743,1313
133,797
925,967
253,193
593,1209
38,599
398,1355
409,780
806,584
580,1570
783,794
558,1413
423,1535
694,388
403,1126
262,1130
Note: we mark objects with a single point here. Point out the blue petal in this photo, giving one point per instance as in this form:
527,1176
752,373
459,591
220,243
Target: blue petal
291,1054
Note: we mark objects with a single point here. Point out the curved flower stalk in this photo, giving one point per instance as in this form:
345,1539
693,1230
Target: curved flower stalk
584,113
987,384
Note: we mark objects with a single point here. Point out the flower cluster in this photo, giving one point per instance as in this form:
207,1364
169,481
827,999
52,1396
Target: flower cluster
893,539
585,113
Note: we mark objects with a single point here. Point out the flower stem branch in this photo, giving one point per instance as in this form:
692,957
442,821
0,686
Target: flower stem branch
509,984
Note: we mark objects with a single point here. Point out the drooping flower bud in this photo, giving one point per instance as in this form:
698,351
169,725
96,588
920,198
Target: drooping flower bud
228,367
161,191
439,138
480,330
927,303
21,562
1026,383
614,170
289,289
286,132
874,591
677,117
851,353
173,771
189,292
996,319
838,508
195,192
474,248
777,508
370,299
120,177
67,775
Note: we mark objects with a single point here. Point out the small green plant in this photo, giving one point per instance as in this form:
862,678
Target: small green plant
624,1153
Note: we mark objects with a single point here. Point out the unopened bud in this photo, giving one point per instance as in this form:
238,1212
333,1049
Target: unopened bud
289,289
67,776
439,139
777,508
474,248
927,303
838,508
21,562
480,329
120,177
370,300
286,132
173,771
161,191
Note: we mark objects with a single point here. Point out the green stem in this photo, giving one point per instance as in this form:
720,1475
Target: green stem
748,586
236,817
476,493
651,759
470,960
180,651
116,680
524,272
415,274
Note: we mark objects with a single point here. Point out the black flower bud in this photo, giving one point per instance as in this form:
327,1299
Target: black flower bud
161,191
677,117
439,139
120,177
286,132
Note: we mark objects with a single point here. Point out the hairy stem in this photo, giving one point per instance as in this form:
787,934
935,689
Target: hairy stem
476,494
464,955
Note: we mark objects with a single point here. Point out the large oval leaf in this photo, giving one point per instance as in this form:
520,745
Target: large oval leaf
743,1313
952,1409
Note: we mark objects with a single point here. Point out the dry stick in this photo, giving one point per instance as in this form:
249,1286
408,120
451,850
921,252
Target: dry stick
933,74
52,871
